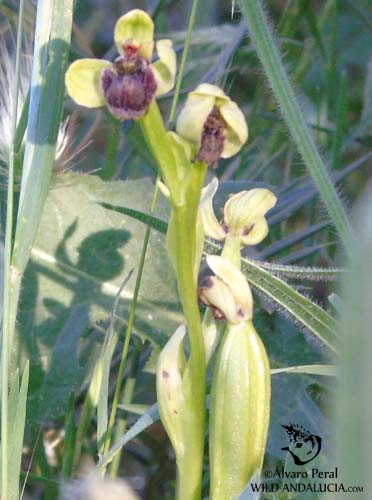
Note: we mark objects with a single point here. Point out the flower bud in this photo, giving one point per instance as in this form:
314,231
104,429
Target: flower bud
239,411
227,293
213,123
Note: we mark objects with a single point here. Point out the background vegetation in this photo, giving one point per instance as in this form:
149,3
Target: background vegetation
83,251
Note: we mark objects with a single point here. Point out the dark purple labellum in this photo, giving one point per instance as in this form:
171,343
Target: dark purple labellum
129,88
213,139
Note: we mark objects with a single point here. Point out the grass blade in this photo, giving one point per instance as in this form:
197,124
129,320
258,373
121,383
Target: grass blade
269,55
52,42
302,309
326,370
17,426
7,320
151,416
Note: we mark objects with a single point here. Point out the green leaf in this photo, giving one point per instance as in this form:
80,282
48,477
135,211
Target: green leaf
151,416
147,219
82,253
326,370
17,418
302,309
303,272
45,110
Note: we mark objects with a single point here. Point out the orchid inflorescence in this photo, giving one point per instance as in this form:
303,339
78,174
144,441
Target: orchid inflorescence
209,126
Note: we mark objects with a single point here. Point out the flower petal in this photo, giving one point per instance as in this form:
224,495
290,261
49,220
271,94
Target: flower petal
258,233
83,82
207,89
237,283
165,67
245,209
135,25
193,115
212,227
237,130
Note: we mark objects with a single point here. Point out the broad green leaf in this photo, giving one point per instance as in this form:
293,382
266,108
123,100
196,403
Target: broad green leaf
82,253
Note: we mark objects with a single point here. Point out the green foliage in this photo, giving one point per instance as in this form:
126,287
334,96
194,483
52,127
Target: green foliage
78,263
87,235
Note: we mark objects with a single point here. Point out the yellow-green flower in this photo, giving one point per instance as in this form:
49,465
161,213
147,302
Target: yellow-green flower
243,214
213,123
129,84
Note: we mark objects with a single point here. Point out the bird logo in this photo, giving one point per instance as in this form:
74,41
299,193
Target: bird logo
303,446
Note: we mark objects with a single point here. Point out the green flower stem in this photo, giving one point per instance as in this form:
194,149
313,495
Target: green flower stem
184,197
184,228
154,131
270,58
231,250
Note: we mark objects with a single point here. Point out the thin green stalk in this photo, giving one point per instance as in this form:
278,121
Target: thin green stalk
332,59
340,119
70,438
181,70
270,58
129,328
125,399
7,333
87,412
112,147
